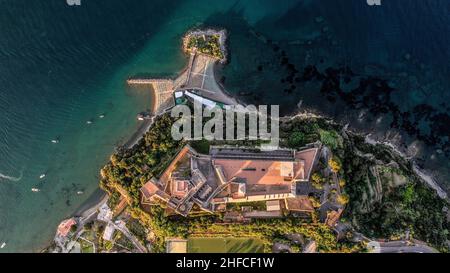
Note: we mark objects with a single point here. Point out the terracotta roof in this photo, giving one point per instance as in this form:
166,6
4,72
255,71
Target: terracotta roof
179,187
166,175
333,216
260,176
308,157
149,189
64,227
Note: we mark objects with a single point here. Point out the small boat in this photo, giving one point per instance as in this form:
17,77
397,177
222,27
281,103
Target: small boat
55,141
101,116
42,176
3,245
35,190
80,192
143,116
89,122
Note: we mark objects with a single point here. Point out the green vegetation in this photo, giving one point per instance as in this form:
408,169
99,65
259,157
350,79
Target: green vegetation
114,200
224,245
317,180
413,207
108,245
131,169
342,182
335,164
331,139
299,132
121,240
404,205
201,146
343,199
266,230
206,44
297,139
261,205
137,229
86,247
314,201
73,228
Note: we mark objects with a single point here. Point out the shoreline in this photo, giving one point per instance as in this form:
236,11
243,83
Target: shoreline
223,36
94,201
422,174
428,179
99,197
139,134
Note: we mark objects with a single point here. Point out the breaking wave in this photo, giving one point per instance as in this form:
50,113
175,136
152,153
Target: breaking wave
11,178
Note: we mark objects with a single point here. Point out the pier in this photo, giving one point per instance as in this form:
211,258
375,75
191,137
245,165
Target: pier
199,75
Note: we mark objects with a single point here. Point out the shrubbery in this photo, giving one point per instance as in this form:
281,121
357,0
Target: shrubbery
206,44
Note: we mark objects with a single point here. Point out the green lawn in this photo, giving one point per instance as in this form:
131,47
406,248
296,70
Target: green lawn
85,246
225,245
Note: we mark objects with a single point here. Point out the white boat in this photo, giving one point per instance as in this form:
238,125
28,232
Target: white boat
55,141
101,116
80,192
3,245
42,176
89,122
35,190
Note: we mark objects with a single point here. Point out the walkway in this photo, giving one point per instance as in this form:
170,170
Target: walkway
198,75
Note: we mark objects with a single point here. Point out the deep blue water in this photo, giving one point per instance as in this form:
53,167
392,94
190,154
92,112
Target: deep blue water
61,66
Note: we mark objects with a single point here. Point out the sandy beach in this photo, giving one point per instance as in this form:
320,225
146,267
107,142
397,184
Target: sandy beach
98,198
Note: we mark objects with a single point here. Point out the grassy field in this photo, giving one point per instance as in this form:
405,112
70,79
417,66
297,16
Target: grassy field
86,247
224,245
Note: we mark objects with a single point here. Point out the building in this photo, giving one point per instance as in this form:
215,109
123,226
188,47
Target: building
65,226
253,175
273,205
299,204
109,232
105,213
230,175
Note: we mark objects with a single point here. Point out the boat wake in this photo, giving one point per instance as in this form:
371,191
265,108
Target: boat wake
11,178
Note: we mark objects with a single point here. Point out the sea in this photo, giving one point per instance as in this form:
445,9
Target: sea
381,69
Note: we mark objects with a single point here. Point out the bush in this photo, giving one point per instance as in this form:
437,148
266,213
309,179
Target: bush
209,45
317,181
331,139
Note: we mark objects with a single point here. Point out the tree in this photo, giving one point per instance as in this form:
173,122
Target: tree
73,228
315,203
88,226
408,194
331,139
335,164
295,249
296,139
343,199
317,181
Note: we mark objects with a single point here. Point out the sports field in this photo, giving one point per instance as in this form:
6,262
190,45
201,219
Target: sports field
225,245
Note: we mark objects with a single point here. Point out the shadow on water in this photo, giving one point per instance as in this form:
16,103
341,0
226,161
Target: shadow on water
280,61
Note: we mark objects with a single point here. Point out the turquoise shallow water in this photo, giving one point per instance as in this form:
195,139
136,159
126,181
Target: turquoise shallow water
61,66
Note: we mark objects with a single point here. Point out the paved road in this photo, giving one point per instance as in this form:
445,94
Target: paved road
131,237
399,247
